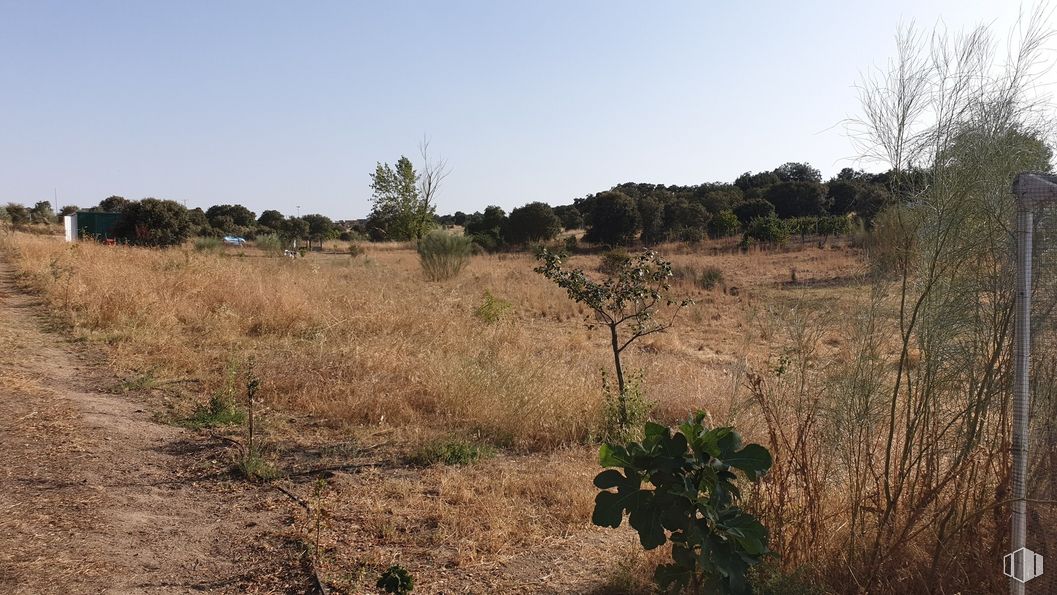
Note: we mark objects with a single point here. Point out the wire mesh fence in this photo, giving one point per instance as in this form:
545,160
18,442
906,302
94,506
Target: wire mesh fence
1033,489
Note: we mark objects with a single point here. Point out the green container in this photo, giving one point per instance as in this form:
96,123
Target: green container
97,225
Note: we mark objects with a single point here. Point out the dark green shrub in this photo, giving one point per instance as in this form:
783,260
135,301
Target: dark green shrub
444,255
571,244
614,219
485,242
396,580
533,222
570,216
767,230
748,210
153,222
723,224
693,503
487,228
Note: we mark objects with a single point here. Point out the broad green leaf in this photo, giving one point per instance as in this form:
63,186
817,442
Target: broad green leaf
754,460
610,478
611,455
646,519
653,434
609,509
684,556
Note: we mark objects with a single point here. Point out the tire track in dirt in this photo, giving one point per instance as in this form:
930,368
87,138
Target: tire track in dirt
95,497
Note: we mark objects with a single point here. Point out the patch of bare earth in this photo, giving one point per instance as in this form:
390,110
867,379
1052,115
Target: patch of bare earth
96,497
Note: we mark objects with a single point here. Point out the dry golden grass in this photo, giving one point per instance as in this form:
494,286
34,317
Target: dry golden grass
366,340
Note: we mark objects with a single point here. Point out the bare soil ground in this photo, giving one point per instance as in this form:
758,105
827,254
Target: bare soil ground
95,497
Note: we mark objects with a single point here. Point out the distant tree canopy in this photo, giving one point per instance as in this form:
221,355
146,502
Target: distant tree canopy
614,219
42,213
655,213
153,222
113,204
399,211
231,218
270,220
293,228
533,222
570,216
842,195
488,229
753,208
199,223
798,172
752,185
320,228
797,199
16,213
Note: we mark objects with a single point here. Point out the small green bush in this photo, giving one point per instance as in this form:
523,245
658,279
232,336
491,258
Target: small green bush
767,230
571,244
451,451
723,224
219,412
444,255
208,244
396,580
271,244
681,488
493,309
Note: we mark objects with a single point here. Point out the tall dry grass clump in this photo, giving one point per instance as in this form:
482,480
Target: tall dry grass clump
443,255
349,339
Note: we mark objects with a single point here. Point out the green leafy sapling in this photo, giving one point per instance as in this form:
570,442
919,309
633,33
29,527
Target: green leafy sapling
693,503
632,301
396,580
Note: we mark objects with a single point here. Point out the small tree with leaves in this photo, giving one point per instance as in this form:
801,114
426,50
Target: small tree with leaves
693,503
632,301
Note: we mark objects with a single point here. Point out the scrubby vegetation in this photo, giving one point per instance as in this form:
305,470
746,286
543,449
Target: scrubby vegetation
875,370
443,255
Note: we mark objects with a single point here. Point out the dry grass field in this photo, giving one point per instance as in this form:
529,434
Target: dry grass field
364,366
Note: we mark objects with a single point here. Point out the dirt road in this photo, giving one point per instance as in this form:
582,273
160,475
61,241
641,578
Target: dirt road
95,497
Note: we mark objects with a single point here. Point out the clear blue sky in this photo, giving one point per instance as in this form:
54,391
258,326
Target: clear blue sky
274,105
